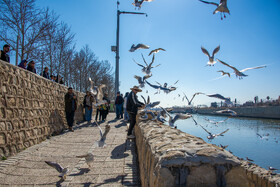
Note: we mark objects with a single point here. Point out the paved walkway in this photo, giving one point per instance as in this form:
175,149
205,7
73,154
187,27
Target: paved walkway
114,165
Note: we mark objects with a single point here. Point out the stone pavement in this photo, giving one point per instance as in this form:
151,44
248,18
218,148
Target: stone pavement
114,165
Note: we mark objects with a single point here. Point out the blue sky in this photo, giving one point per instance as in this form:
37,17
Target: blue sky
248,37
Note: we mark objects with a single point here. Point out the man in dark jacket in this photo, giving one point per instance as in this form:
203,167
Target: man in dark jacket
70,107
4,53
31,66
132,106
118,104
45,73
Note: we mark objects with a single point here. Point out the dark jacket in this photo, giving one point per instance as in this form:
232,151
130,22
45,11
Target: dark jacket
70,103
133,103
5,56
29,68
119,100
85,102
46,75
22,64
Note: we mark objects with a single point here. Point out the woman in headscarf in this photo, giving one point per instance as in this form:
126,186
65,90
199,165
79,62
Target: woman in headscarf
23,64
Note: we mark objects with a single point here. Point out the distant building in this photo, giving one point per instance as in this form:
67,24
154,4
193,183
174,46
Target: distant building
249,103
214,105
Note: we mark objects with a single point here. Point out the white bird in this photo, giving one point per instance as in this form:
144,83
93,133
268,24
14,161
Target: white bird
224,73
216,122
190,101
212,136
147,69
227,111
149,104
172,120
101,142
93,89
59,168
138,3
164,88
88,157
211,61
221,7
156,51
265,136
240,73
141,80
138,46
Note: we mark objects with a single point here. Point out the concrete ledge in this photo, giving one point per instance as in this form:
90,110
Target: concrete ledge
169,157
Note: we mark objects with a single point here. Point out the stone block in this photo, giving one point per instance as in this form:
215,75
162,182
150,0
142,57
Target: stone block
2,126
237,173
9,126
203,175
3,139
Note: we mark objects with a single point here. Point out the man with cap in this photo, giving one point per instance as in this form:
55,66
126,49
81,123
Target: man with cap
4,53
132,106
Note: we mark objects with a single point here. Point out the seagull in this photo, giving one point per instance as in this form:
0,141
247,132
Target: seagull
212,136
222,7
148,104
160,118
146,117
250,160
272,168
101,142
195,122
93,89
138,46
216,122
141,80
190,101
263,136
59,168
224,73
227,111
163,88
219,96
211,58
223,146
138,3
172,120
156,51
147,69
240,73
89,158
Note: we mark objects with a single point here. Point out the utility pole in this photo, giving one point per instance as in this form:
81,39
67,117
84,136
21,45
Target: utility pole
117,47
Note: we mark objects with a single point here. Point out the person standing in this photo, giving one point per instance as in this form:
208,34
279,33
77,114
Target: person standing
105,98
70,107
88,100
132,106
126,115
31,66
119,104
4,53
45,73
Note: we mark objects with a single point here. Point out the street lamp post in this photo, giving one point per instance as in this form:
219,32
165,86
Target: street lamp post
116,49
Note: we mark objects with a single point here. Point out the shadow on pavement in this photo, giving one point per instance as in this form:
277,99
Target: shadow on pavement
119,179
118,152
81,172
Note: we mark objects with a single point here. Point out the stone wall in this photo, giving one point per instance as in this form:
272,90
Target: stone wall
169,157
272,112
31,109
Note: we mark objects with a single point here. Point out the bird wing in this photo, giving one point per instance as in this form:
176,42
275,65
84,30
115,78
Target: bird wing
205,51
212,3
216,50
149,0
181,116
219,96
144,60
138,78
228,65
100,131
194,121
187,98
82,156
222,133
205,130
139,64
153,59
144,99
259,135
166,112
148,100
173,84
153,86
223,120
107,129
55,165
146,77
258,67
142,46
153,104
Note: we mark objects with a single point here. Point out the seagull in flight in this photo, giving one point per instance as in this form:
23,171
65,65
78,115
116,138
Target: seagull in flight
211,61
173,119
156,51
224,73
138,46
147,69
190,101
149,104
227,111
164,88
216,122
88,157
138,3
141,80
263,136
212,136
221,7
240,73
101,142
59,168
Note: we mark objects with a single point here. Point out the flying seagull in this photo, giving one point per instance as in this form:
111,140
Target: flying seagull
149,104
218,96
227,111
59,168
141,80
156,51
222,7
263,136
212,136
240,73
164,88
147,69
190,101
215,122
101,142
173,119
138,46
224,73
138,3
211,58
89,158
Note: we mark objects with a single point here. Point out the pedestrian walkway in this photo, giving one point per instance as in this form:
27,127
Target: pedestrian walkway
114,165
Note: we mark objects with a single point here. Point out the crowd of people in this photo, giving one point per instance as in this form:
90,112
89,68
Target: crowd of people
29,66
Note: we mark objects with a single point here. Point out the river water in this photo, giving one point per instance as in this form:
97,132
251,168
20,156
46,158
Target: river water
242,138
